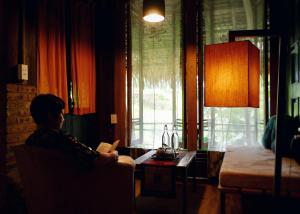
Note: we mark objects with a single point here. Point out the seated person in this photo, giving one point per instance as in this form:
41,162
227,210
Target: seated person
47,112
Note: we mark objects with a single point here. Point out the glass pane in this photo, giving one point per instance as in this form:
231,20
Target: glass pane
233,126
156,75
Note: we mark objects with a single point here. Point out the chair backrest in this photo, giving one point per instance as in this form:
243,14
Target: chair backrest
53,184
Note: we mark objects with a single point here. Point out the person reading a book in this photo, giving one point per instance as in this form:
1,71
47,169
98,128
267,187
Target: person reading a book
47,111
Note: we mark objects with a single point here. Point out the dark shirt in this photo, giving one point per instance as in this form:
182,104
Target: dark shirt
59,140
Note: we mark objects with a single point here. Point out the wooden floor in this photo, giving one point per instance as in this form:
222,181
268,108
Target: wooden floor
205,200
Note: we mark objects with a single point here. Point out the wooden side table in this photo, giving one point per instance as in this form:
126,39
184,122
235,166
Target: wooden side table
158,177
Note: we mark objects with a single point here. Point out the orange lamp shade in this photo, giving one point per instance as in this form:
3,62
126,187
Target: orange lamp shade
231,75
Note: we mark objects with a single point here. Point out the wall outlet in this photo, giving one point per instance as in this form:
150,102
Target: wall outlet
113,119
22,72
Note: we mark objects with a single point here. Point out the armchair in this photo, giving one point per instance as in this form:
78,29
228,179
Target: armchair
53,184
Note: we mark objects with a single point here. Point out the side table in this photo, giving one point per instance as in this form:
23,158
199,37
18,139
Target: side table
159,176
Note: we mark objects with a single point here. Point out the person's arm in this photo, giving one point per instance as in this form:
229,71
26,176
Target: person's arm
84,155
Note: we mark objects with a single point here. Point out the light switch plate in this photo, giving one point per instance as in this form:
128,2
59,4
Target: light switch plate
22,72
113,119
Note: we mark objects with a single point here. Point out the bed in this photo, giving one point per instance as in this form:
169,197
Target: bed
251,170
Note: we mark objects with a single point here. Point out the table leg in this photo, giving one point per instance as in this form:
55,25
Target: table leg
184,180
134,189
222,202
142,180
194,174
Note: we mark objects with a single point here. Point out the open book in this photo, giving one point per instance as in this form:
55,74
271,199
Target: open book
107,147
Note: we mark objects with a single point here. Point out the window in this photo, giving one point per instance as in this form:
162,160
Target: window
157,79
233,126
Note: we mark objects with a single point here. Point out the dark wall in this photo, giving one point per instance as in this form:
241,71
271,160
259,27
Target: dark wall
293,62
9,36
29,39
14,49
105,19
284,21
294,56
2,129
2,52
9,50
17,38
84,128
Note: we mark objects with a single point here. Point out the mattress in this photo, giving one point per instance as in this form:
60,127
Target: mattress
253,168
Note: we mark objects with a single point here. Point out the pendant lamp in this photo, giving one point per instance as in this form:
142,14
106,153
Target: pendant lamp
231,75
153,10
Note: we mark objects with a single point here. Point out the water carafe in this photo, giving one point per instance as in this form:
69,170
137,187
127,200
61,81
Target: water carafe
165,138
174,139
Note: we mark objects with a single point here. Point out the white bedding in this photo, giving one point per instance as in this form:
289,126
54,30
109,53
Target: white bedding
253,168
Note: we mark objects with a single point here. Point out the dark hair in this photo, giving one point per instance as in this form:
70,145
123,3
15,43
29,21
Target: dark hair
44,104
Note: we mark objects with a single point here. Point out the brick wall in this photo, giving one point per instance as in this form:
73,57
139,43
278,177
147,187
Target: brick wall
19,123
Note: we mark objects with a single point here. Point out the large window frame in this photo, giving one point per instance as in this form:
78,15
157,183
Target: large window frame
242,8
190,13
142,82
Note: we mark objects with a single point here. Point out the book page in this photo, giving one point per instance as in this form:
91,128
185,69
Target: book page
114,145
107,147
104,147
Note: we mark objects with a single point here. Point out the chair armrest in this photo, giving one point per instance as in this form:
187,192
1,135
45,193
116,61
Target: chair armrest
112,186
126,160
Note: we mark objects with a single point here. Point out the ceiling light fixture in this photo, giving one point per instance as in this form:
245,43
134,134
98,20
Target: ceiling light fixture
153,10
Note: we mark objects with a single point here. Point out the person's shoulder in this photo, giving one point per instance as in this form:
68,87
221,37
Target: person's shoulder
42,137
67,137
31,139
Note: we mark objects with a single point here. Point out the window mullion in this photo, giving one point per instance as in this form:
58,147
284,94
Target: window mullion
141,83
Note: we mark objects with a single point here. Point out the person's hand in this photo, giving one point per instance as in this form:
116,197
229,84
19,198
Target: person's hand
108,158
114,154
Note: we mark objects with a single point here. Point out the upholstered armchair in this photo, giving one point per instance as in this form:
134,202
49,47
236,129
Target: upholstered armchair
52,184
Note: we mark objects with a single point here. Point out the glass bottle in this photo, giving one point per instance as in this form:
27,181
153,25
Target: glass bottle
174,138
165,138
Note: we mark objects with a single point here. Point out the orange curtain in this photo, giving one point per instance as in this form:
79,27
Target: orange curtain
52,67
83,66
